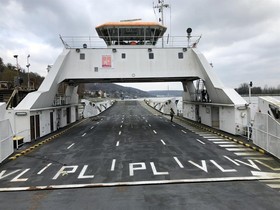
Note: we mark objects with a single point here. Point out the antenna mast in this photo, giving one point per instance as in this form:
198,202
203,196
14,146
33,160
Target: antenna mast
160,8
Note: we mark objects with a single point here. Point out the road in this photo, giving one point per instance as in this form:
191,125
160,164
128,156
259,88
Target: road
132,158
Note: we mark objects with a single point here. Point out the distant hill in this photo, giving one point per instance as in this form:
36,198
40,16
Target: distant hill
166,93
117,91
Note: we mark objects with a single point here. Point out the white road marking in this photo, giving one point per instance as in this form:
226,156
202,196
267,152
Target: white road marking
17,178
173,125
266,165
91,127
231,145
150,125
136,166
222,142
216,139
210,137
84,134
248,154
178,162
121,126
135,183
273,185
154,131
120,133
118,143
43,169
155,172
221,168
82,174
71,146
146,121
271,181
162,142
200,141
113,165
97,123
183,131
231,160
238,149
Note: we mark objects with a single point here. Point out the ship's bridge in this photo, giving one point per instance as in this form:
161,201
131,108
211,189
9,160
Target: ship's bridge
130,33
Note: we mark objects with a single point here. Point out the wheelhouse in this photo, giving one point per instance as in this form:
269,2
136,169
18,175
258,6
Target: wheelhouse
130,33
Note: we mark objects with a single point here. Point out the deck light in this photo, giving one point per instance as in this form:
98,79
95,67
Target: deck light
114,50
77,50
150,50
84,45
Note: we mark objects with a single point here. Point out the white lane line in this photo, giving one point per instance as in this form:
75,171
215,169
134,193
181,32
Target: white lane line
71,146
118,143
154,131
120,133
91,127
231,145
122,121
183,131
209,137
150,125
231,160
216,139
135,183
222,142
178,162
43,169
248,154
97,123
146,121
173,125
200,141
84,134
113,164
238,149
162,142
121,126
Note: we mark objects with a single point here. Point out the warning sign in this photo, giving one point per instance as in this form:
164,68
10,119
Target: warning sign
106,61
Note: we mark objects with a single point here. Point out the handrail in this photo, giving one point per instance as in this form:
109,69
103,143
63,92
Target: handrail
72,42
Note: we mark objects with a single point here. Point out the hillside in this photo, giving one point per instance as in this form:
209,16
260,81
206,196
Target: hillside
115,91
166,93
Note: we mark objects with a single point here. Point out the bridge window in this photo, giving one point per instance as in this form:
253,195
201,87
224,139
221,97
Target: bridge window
151,55
180,55
82,56
123,55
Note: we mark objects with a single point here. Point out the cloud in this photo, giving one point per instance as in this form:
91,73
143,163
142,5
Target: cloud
240,37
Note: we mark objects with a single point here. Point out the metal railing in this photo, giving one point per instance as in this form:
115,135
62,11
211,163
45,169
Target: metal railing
70,42
266,133
6,139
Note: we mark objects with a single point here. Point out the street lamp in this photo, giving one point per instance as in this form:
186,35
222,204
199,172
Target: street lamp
17,80
250,87
28,65
16,57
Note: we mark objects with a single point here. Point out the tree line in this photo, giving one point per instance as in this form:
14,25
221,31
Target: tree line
243,89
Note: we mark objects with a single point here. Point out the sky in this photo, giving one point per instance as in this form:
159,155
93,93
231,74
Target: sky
241,38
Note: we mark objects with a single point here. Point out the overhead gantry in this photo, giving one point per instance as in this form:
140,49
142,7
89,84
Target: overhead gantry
131,54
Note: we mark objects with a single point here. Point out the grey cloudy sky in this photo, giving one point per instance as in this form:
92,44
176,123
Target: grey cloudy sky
240,37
